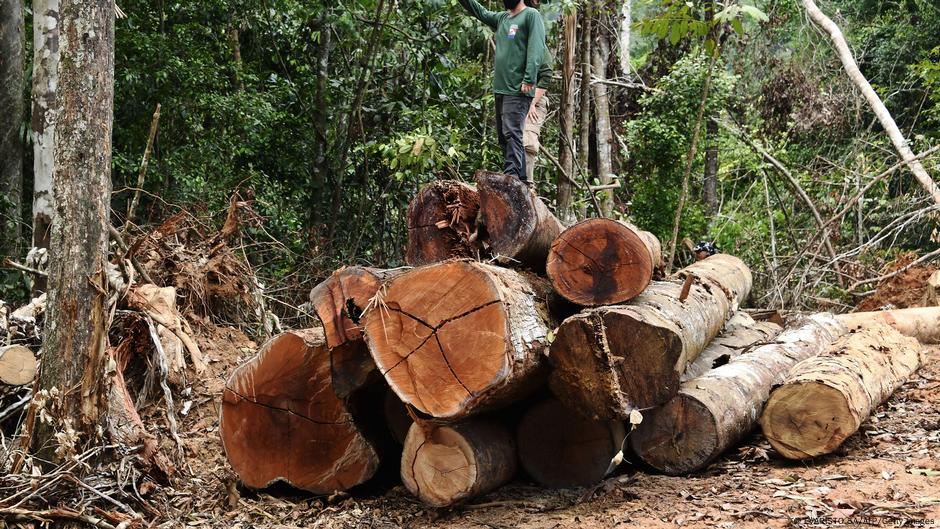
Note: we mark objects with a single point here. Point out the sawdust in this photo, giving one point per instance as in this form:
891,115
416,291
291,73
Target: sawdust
902,291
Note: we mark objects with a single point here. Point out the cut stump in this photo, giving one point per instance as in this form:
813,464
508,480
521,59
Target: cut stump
18,365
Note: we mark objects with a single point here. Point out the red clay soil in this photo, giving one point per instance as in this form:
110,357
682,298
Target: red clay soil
901,291
887,472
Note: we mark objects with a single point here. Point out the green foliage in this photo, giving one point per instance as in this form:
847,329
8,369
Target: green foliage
698,20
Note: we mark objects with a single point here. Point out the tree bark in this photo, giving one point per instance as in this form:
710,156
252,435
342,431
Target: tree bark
715,411
559,448
877,105
460,337
566,116
12,110
739,335
445,465
600,55
45,80
584,151
281,421
442,223
76,334
932,293
626,23
609,361
339,303
922,323
824,400
602,262
520,228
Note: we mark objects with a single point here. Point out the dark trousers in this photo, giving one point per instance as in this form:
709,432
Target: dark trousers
511,112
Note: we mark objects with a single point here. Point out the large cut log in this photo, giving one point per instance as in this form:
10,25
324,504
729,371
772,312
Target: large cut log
445,465
824,400
339,303
609,361
17,365
281,420
519,226
559,449
713,412
442,223
602,262
459,337
739,335
922,323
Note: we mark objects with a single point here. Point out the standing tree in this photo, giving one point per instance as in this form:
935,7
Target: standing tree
11,116
75,348
45,65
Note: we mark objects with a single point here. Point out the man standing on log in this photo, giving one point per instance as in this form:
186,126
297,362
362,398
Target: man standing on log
520,52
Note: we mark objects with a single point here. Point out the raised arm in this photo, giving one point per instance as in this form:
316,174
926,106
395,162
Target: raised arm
486,16
535,54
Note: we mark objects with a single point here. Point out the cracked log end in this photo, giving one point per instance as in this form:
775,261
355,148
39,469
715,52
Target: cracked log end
519,225
678,437
281,420
601,262
560,449
454,338
445,465
441,221
18,365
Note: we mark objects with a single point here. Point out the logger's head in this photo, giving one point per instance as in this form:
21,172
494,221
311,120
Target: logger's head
512,5
532,3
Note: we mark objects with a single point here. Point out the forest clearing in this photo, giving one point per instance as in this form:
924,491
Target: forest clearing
278,265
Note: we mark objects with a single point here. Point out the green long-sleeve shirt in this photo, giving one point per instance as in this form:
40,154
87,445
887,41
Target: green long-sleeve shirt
520,46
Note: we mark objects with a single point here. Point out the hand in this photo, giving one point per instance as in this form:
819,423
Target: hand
526,88
533,114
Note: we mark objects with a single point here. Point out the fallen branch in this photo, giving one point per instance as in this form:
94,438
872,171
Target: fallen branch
23,268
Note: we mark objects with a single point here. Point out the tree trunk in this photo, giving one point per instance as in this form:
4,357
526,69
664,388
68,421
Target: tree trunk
922,323
609,361
824,400
339,303
877,106
12,110
17,365
45,79
715,411
566,117
560,449
710,187
602,262
75,341
445,465
520,228
281,421
600,55
739,335
442,223
584,153
460,337
932,293
626,23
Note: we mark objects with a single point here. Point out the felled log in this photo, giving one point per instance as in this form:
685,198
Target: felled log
922,323
442,223
17,365
559,448
281,420
459,337
445,465
713,412
739,335
520,228
824,400
609,361
602,262
339,302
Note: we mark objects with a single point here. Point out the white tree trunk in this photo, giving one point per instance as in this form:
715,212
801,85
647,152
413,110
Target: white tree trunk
626,21
45,79
600,54
851,68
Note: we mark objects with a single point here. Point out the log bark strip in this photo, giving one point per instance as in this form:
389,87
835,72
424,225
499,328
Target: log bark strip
739,335
609,361
602,262
519,226
339,303
442,223
824,400
445,465
560,449
459,337
922,323
713,412
281,421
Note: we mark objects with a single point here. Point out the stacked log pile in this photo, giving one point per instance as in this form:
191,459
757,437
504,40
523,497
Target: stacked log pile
456,358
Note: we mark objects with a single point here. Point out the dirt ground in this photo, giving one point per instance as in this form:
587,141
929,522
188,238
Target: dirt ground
886,475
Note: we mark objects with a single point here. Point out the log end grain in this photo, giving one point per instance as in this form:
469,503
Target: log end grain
441,223
18,365
818,420
677,438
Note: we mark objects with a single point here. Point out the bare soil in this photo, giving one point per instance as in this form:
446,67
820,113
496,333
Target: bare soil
902,291
888,474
